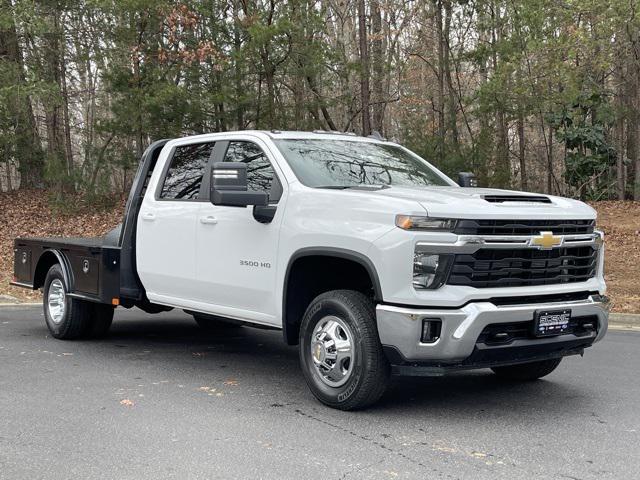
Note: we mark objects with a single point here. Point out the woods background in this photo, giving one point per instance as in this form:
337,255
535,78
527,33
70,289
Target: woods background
541,95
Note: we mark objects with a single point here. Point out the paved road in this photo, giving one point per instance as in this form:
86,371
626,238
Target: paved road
161,399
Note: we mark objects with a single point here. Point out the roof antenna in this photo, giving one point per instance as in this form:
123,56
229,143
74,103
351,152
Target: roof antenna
376,136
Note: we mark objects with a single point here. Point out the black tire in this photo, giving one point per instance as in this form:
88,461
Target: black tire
101,319
370,370
526,372
75,320
212,323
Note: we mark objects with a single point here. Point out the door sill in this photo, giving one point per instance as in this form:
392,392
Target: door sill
245,316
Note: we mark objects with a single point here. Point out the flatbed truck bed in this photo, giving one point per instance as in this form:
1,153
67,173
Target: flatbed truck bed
100,269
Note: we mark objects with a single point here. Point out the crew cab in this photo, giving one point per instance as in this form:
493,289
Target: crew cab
364,254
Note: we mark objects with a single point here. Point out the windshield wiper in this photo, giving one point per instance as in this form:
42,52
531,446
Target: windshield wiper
354,187
369,187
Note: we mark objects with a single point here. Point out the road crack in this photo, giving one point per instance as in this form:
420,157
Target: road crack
372,441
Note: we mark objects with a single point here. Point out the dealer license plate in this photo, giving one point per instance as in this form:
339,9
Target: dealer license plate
551,322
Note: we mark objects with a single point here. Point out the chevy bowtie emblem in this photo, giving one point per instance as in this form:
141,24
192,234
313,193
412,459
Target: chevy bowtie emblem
546,241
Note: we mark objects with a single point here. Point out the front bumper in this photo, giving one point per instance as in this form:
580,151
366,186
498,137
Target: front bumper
400,331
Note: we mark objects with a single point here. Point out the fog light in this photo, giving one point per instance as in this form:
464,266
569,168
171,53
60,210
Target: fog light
431,329
430,270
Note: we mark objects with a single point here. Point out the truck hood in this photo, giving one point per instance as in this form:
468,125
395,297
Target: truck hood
458,202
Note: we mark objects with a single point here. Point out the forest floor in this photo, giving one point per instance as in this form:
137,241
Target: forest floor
28,214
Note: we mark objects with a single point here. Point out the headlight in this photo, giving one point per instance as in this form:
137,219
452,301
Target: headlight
417,222
430,270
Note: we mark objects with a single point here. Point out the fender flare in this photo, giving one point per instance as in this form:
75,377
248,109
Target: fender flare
334,252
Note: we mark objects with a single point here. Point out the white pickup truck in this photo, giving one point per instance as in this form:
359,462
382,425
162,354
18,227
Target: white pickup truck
365,255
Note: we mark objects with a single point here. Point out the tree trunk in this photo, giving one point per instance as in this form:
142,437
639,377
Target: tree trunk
550,161
237,68
452,125
440,103
620,169
483,146
378,67
56,153
502,172
521,152
323,108
66,123
364,65
9,179
269,78
136,89
633,122
28,150
633,131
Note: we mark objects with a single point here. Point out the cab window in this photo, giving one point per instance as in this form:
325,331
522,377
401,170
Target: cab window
184,176
260,173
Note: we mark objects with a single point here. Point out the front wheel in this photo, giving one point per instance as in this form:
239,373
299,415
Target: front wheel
527,371
340,351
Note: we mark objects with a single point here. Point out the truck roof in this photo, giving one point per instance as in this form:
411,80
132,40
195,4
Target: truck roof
295,134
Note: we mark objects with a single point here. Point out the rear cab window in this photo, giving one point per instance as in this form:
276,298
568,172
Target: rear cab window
184,177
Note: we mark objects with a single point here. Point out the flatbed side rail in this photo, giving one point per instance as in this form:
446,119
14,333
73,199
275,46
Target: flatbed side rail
91,271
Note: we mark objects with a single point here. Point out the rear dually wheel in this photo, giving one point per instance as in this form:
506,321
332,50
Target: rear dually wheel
70,318
67,318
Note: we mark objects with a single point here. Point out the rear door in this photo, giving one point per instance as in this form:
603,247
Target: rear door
166,234
237,255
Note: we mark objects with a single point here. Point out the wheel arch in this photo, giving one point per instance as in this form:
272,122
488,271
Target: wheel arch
290,321
47,259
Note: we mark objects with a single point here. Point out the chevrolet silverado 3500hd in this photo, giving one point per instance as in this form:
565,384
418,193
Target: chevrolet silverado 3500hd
362,253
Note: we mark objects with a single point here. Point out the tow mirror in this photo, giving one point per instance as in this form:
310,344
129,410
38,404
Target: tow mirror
229,186
467,179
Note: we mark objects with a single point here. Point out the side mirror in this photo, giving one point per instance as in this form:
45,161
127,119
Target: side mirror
229,186
467,179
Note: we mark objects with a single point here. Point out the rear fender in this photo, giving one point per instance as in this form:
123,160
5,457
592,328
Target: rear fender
47,259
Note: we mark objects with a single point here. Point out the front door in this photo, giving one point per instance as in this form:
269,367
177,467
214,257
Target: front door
166,232
236,266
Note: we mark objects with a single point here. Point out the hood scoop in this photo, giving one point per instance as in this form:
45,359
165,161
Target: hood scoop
516,198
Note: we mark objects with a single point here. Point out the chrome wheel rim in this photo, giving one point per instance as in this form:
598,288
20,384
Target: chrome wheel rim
56,301
332,351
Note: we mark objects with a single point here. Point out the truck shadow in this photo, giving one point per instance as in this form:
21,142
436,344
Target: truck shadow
251,352
261,361
480,393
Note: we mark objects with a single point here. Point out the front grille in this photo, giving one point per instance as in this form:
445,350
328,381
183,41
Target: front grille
523,227
522,267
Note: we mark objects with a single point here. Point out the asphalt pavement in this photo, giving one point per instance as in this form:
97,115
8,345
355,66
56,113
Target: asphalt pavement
159,398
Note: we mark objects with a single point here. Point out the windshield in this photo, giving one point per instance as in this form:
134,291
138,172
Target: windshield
344,164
